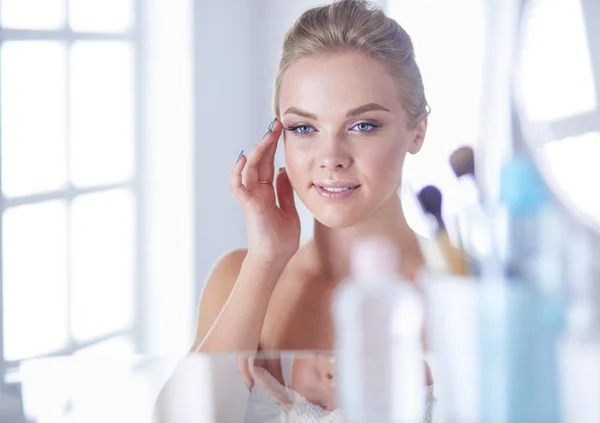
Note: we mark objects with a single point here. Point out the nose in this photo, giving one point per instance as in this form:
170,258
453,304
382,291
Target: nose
335,163
334,155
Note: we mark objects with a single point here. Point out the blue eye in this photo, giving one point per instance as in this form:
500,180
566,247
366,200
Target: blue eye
365,127
301,129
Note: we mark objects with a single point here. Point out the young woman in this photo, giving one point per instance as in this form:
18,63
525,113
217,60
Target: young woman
349,105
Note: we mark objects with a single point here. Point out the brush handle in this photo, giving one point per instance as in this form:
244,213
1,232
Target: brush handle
454,257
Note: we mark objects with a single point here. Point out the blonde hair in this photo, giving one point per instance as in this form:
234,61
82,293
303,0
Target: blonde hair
347,25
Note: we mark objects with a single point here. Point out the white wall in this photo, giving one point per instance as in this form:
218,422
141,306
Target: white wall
168,178
226,120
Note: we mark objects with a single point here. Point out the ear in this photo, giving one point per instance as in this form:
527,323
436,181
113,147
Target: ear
418,138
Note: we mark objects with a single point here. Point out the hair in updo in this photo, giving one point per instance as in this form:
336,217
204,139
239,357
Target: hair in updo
347,25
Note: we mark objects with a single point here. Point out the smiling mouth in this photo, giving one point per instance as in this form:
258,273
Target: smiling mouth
330,189
335,193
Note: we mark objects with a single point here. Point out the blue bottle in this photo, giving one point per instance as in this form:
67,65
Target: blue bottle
522,304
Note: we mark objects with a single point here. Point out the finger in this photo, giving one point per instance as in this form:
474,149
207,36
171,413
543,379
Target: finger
255,159
285,192
241,193
244,371
266,167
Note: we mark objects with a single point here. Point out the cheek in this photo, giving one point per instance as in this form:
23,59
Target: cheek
383,162
392,159
297,163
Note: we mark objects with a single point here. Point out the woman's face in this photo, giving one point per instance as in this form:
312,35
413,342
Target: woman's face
346,134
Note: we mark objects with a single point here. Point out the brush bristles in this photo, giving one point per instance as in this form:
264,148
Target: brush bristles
463,162
430,198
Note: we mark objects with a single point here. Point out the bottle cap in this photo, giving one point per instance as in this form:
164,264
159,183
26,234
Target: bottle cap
522,189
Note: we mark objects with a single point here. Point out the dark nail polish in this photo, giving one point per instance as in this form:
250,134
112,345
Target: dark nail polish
239,157
282,169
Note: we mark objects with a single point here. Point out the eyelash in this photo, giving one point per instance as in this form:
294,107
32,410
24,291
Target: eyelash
373,127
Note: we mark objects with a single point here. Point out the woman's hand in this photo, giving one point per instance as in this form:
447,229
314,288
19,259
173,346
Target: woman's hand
273,230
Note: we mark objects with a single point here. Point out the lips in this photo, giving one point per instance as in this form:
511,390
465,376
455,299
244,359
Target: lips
335,190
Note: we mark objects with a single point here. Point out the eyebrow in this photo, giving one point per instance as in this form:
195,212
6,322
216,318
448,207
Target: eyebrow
300,112
366,108
351,113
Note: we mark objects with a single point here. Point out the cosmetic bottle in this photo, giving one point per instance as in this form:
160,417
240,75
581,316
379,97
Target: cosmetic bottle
522,303
378,318
579,351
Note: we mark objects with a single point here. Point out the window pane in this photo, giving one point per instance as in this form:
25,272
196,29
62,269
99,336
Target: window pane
101,15
102,263
17,14
35,288
101,113
573,163
33,117
556,86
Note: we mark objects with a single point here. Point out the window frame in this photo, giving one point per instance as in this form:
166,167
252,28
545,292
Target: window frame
135,185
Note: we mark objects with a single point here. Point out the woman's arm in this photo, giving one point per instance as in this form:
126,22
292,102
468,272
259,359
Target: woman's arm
234,304
230,316
237,292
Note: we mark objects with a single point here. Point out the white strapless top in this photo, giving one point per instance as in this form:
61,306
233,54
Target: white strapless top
262,408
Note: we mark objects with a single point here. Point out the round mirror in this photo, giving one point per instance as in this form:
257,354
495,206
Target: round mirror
557,93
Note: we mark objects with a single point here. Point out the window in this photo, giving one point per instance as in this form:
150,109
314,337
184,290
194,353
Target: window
69,180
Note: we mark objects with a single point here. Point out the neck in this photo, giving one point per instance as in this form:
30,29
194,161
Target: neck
332,246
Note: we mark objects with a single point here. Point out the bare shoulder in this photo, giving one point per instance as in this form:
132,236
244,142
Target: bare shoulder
227,267
216,291
223,275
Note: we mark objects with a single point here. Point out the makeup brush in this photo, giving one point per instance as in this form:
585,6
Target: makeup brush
472,217
430,198
462,162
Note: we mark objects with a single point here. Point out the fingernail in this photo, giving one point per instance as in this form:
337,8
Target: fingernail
271,125
248,387
239,157
282,169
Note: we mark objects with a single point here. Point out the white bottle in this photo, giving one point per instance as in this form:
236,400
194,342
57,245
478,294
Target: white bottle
378,319
579,350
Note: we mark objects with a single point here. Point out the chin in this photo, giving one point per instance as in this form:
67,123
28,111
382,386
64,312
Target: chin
337,219
337,215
